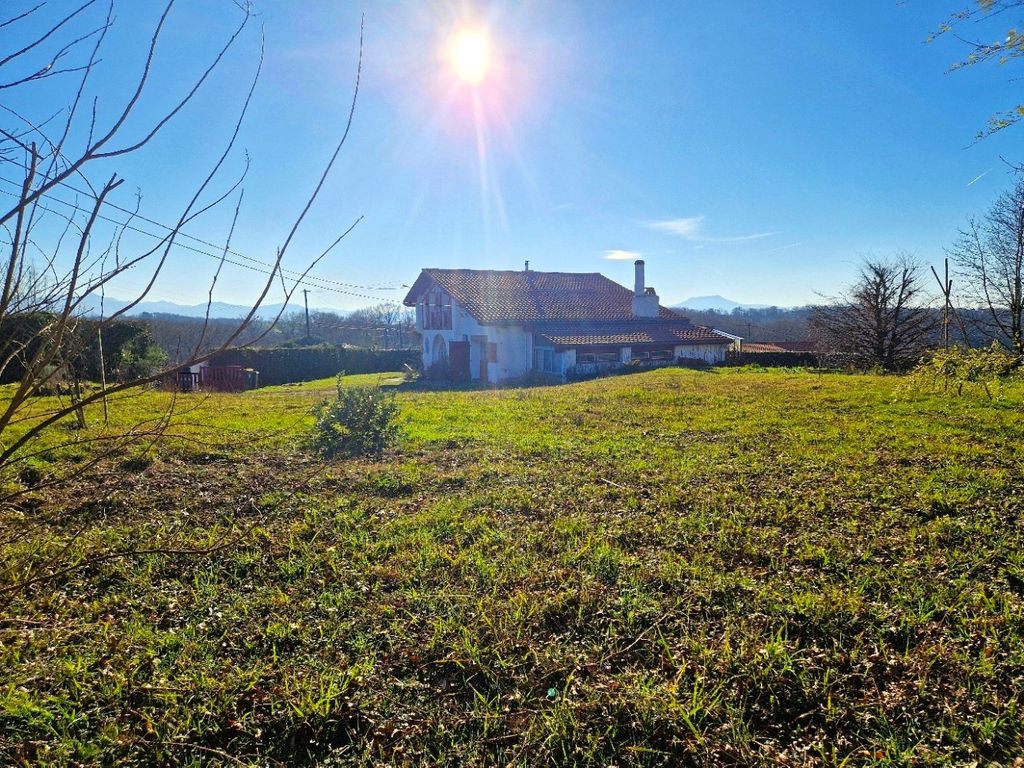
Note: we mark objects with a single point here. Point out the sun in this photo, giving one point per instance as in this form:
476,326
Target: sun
469,53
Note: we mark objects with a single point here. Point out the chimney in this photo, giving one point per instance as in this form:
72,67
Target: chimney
645,300
526,268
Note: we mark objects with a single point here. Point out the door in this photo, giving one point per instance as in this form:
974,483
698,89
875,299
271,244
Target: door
458,360
482,346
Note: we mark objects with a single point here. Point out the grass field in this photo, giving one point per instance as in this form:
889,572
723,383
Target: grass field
672,568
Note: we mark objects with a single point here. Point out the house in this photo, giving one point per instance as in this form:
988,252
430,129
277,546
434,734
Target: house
494,325
736,341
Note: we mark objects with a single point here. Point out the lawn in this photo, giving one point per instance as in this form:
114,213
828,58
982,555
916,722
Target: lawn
730,567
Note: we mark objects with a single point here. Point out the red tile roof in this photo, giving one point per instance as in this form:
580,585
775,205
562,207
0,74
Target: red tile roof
634,332
766,347
505,296
564,308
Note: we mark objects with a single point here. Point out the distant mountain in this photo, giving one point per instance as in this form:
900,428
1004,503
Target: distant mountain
218,309
716,304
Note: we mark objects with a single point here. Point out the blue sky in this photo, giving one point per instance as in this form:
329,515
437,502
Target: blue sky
754,150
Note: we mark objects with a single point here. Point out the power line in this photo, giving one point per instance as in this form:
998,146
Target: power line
218,257
254,266
315,280
180,234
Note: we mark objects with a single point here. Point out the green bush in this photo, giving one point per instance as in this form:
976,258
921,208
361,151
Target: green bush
957,367
136,361
359,421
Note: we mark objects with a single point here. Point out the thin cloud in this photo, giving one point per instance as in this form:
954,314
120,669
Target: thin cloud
685,227
979,177
776,250
737,239
618,255
690,227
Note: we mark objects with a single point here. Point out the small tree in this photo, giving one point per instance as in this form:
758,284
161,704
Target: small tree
881,323
958,367
990,255
359,421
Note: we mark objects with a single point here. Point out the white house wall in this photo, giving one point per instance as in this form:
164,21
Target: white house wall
709,353
515,351
568,358
514,345
463,327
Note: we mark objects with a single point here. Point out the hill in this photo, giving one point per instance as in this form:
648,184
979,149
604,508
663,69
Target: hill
218,309
715,303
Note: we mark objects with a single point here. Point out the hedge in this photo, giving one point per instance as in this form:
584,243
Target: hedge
774,359
287,365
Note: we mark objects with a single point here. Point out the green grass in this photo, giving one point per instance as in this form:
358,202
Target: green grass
709,568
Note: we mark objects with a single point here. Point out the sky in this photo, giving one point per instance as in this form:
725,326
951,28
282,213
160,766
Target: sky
752,150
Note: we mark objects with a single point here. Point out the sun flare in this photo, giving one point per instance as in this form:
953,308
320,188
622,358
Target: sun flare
470,55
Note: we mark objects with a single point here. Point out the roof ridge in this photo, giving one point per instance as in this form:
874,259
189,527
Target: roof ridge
523,296
517,272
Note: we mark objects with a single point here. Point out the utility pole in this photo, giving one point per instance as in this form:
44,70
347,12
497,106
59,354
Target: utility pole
946,286
305,296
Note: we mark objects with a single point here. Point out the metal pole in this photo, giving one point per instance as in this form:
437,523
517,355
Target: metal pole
945,307
946,286
305,296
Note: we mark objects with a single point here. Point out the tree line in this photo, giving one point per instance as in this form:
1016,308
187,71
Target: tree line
126,349
757,323
888,317
382,326
897,309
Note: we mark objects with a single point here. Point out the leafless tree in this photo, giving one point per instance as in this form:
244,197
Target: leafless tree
882,321
990,254
385,325
60,256
388,317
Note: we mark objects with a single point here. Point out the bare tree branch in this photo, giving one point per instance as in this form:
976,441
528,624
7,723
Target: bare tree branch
990,254
81,249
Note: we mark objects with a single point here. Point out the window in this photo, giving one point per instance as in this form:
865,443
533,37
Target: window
654,354
597,357
544,360
437,311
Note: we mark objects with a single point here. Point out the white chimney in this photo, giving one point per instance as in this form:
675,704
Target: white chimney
645,300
